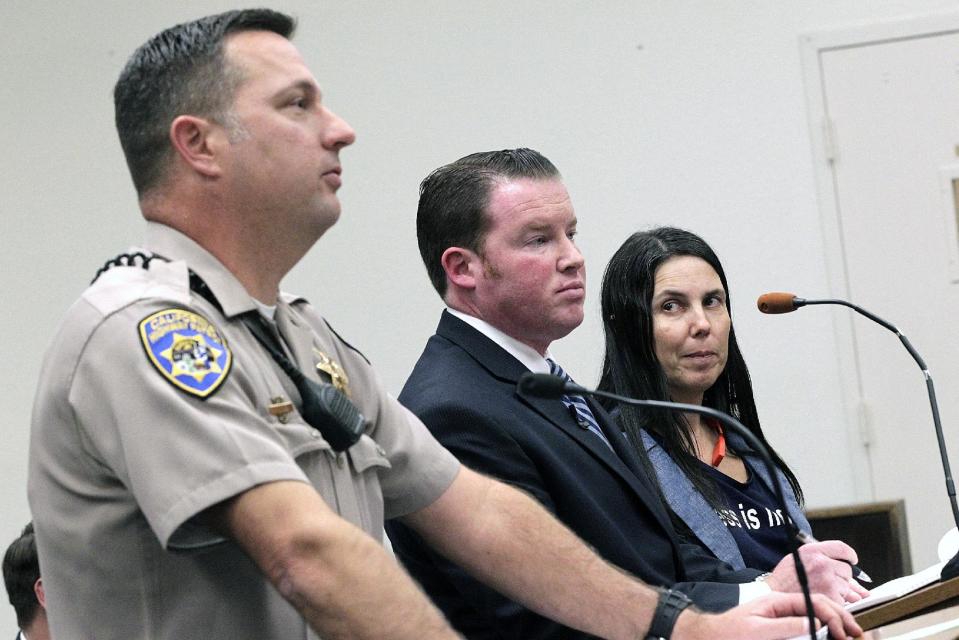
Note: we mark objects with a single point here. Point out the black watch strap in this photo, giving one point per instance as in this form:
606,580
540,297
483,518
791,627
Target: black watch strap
671,604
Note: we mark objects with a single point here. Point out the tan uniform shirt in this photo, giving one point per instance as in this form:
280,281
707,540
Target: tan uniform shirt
124,454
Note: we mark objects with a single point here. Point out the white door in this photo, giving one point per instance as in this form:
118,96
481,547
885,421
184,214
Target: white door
890,139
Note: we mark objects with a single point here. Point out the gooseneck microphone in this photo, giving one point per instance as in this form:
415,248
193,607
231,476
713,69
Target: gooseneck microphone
544,385
779,302
787,302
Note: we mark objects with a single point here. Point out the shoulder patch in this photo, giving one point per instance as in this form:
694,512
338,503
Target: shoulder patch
187,350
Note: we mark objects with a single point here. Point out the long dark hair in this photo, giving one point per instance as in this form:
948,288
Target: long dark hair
630,366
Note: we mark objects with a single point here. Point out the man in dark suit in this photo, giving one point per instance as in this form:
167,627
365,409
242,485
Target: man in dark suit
496,232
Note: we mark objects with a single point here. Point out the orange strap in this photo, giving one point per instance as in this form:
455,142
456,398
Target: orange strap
719,451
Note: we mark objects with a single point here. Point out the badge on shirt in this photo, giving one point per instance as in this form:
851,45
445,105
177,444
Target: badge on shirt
187,350
333,371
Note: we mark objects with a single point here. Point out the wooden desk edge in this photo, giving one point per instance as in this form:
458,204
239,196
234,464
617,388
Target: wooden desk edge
930,598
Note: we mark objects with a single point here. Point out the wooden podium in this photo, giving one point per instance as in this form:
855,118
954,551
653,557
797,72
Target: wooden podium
930,598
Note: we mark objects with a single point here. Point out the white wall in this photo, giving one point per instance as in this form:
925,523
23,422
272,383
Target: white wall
680,112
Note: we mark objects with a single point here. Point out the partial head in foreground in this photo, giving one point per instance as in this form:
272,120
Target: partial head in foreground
21,576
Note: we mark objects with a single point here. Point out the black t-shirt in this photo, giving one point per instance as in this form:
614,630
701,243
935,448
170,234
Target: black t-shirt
752,517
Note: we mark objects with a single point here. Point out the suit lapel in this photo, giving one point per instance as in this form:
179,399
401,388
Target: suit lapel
505,367
557,413
627,457
616,437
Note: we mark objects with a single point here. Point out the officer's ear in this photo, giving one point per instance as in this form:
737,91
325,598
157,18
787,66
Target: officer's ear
199,143
462,267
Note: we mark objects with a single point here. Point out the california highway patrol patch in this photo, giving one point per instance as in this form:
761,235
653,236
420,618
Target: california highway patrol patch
187,350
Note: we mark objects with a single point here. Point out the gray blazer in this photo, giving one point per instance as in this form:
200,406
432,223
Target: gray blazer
698,515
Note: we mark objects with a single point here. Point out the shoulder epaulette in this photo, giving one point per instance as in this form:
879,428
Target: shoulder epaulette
136,259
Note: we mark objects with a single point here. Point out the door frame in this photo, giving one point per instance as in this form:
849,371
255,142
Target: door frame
813,45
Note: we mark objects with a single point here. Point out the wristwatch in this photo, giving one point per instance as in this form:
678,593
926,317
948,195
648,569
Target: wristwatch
671,604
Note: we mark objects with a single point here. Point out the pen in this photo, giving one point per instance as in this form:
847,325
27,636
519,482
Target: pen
857,573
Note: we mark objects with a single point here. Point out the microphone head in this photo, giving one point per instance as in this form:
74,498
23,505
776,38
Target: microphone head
777,302
541,385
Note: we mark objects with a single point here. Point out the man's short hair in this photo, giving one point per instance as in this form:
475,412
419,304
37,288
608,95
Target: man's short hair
180,71
454,198
21,570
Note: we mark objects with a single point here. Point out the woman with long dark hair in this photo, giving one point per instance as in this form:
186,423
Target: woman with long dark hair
669,336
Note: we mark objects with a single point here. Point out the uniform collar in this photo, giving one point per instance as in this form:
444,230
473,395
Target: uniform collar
176,246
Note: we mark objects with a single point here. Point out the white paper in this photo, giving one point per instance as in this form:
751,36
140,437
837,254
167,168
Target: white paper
898,587
949,545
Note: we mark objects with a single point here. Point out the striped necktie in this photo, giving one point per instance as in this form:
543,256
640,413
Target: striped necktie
584,416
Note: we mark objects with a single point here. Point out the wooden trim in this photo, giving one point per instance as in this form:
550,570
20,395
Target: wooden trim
931,598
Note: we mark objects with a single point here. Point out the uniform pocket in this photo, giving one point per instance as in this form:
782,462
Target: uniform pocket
366,453
368,459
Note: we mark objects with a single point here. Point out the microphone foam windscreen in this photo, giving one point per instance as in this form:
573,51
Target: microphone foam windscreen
776,302
542,385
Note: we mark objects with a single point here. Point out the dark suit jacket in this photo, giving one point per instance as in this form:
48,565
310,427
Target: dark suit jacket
464,389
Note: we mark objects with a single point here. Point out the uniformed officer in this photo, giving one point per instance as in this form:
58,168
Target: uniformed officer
209,459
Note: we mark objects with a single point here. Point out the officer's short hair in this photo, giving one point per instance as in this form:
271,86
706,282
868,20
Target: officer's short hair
453,201
180,71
